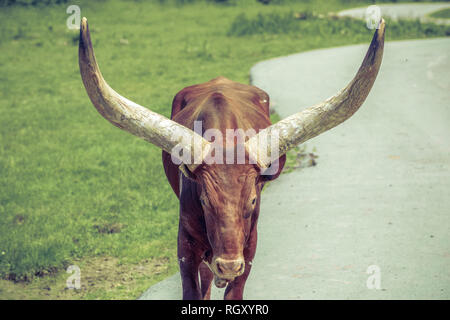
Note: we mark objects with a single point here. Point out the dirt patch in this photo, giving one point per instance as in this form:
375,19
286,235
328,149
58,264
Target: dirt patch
107,273
299,157
100,278
109,228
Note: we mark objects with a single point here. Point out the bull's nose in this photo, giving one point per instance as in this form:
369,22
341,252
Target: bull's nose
230,267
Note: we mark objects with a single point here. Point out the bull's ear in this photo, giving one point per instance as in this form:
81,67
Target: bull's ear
273,171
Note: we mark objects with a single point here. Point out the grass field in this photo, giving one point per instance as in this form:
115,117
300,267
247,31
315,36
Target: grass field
441,14
76,190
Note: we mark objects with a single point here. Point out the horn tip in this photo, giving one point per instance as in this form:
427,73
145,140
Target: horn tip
84,24
83,31
381,28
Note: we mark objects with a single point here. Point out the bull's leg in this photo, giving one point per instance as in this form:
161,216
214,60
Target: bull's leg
235,289
189,263
206,277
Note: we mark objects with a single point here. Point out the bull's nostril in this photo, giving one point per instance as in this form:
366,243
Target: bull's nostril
219,268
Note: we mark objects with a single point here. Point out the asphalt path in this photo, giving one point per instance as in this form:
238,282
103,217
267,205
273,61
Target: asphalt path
371,220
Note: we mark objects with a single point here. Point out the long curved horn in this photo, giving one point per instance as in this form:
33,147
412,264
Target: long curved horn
129,116
279,138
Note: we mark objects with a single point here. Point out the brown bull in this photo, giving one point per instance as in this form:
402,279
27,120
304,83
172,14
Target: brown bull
219,201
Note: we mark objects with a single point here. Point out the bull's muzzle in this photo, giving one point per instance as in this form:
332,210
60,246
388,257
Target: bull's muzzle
229,269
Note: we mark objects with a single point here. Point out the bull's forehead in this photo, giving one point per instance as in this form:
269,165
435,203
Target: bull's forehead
233,173
228,182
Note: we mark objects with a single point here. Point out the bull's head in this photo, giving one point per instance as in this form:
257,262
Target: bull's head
229,195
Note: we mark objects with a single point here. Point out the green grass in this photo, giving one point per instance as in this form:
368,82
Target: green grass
323,26
441,14
72,186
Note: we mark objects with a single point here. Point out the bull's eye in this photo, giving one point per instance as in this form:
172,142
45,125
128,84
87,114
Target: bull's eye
254,201
202,201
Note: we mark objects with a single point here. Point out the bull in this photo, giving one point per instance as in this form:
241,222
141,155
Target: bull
220,202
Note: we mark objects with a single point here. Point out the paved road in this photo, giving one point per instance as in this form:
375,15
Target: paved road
379,195
405,10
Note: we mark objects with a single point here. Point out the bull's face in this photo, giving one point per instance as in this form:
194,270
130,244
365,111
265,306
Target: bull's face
229,196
